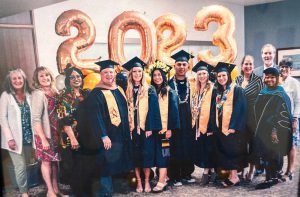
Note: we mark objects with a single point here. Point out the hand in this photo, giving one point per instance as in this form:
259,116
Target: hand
74,143
231,131
294,125
148,133
12,144
274,137
168,134
107,143
45,144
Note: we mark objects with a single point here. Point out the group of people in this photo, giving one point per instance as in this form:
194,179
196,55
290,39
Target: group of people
172,124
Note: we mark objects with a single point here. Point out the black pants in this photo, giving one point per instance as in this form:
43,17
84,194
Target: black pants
179,170
273,165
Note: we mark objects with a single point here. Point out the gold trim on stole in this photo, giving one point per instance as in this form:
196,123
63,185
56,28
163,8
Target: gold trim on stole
112,106
164,110
204,114
142,111
227,111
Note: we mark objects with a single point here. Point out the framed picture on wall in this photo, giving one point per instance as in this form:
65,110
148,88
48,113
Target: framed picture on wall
294,54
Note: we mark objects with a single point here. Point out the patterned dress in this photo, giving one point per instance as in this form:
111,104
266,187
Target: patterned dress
52,154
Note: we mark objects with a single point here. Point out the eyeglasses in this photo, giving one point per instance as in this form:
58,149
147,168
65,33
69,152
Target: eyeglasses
72,77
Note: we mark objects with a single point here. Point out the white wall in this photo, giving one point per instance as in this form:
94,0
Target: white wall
103,12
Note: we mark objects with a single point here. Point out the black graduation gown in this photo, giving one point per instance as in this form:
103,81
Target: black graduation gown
231,150
182,139
204,146
144,148
162,160
272,111
95,123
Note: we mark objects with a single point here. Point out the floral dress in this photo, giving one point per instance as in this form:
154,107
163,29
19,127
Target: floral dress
52,154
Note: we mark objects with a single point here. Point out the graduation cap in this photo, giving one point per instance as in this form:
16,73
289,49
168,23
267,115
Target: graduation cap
222,66
134,62
272,71
203,66
160,65
106,64
182,56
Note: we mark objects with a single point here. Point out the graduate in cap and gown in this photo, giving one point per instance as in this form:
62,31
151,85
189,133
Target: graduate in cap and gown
144,120
181,164
168,105
273,135
231,116
204,121
104,135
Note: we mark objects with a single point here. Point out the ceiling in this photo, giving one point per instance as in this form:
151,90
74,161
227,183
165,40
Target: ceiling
11,7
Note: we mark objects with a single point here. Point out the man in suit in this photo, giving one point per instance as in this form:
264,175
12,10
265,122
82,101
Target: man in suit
268,52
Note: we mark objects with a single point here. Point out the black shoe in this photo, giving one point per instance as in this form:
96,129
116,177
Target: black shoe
213,177
189,179
266,184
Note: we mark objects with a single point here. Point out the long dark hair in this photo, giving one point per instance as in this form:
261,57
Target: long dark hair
163,88
68,73
219,86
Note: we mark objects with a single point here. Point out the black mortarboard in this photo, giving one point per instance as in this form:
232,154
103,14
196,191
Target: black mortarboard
182,56
222,66
272,71
106,64
134,62
203,66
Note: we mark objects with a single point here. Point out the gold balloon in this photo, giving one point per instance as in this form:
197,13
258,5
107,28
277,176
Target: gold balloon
148,78
165,46
234,73
91,80
223,37
69,50
139,22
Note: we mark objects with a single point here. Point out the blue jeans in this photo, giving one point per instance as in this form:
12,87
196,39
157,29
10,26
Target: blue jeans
106,186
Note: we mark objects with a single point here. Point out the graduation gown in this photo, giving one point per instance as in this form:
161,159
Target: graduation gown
231,150
162,154
204,146
95,123
144,148
182,139
272,111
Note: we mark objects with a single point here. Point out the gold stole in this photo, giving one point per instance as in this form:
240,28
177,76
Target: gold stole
226,111
112,106
141,113
204,114
163,108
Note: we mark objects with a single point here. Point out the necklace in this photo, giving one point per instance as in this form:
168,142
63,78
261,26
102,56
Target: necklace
220,99
187,91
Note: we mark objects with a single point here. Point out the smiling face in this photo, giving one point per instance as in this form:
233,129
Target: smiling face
268,55
17,81
157,77
202,76
137,74
248,65
222,78
75,80
107,76
181,68
271,81
44,78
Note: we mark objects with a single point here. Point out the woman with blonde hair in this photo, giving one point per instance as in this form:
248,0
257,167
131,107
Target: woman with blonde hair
203,121
144,119
15,121
45,126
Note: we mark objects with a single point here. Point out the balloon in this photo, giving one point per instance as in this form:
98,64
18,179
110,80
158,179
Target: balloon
60,82
165,46
234,73
148,78
91,80
69,50
139,22
223,37
121,80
